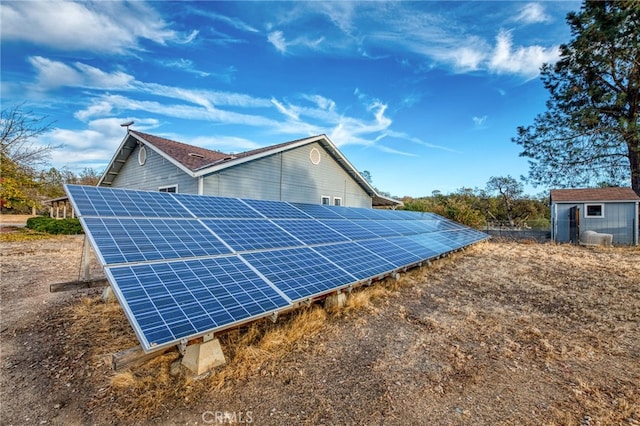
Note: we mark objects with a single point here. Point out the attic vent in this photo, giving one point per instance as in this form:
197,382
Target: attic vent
193,154
315,156
229,158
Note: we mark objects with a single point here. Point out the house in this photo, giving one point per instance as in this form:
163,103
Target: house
310,170
604,210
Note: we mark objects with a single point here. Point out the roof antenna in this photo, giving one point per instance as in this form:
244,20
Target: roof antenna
127,124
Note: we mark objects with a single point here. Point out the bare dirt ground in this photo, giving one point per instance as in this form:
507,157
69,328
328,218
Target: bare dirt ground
504,333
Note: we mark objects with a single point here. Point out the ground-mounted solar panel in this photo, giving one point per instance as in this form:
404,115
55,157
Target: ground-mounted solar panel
277,209
299,273
392,253
420,250
353,230
185,265
310,231
251,234
216,207
124,240
382,228
169,301
352,258
107,202
318,211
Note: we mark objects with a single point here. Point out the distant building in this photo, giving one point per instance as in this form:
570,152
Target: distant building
310,170
605,210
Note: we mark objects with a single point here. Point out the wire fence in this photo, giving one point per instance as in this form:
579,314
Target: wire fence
508,232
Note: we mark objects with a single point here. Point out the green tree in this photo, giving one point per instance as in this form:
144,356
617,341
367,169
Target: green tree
590,132
20,156
509,191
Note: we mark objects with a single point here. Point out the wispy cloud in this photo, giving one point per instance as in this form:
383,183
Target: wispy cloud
105,27
479,121
532,13
185,65
277,39
229,21
433,35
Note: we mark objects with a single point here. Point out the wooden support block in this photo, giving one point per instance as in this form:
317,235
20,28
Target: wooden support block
77,285
132,357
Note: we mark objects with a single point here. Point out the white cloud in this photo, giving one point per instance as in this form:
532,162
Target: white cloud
185,65
288,111
321,102
479,121
277,39
525,61
532,13
53,74
99,108
101,26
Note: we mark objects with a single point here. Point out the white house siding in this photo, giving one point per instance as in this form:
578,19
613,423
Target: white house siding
156,172
618,220
288,176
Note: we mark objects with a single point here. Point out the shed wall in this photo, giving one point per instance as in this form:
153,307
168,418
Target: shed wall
619,220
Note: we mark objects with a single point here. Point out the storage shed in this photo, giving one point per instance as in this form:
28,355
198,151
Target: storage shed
604,210
310,170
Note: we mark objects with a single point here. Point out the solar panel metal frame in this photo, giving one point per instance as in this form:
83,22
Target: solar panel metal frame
400,234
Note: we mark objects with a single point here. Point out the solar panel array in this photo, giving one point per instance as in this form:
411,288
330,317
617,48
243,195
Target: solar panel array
185,265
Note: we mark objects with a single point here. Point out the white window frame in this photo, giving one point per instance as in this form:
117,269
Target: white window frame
586,211
339,200
323,198
166,187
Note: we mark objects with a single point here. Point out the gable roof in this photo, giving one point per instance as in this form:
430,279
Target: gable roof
196,161
594,194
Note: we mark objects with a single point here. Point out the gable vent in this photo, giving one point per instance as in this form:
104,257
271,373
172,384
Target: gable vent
193,154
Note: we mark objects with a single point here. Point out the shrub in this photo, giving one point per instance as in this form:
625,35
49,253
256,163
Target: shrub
68,226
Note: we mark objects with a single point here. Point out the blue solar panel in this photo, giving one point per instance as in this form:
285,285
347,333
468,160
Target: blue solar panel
359,262
107,202
310,231
382,228
277,209
251,234
169,256
137,240
391,252
299,273
216,207
420,250
168,301
432,241
318,211
350,229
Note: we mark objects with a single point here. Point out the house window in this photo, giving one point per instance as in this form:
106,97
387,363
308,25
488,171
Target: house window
337,201
325,201
171,188
594,210
142,156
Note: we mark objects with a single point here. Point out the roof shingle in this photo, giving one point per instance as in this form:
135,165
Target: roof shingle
593,194
192,157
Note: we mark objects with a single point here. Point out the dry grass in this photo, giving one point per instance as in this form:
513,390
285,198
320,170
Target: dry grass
18,234
504,333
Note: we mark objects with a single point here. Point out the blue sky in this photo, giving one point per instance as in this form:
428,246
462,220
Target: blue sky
424,95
